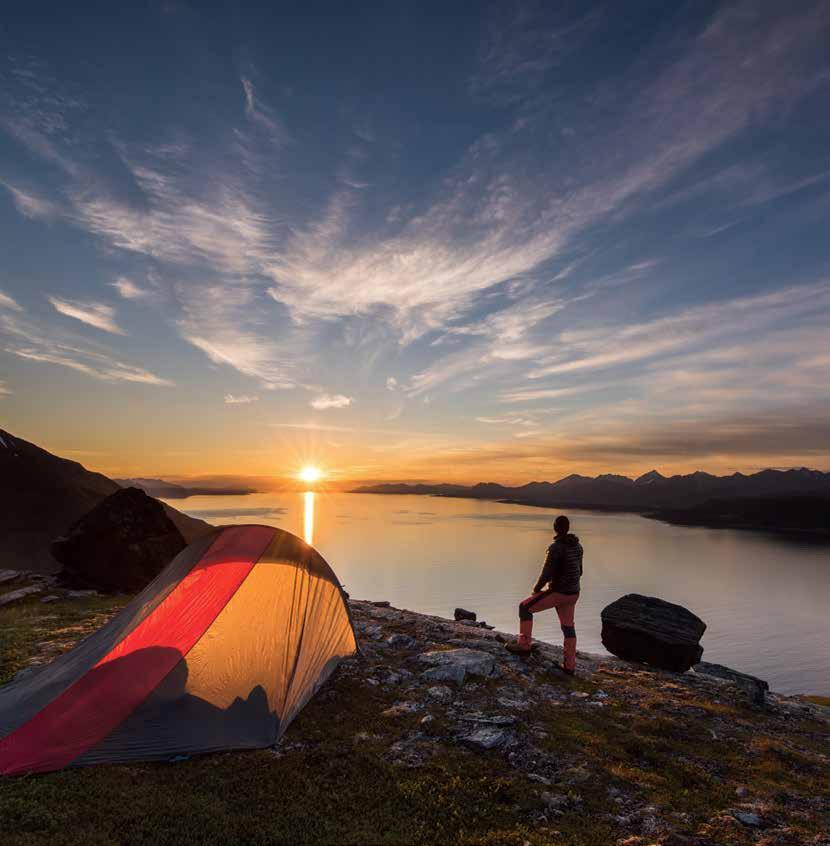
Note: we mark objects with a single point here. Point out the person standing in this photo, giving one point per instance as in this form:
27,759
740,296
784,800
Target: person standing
557,587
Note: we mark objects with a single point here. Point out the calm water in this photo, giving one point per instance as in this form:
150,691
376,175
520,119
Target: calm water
765,599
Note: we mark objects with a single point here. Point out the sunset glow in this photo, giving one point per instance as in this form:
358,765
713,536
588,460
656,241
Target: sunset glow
310,474
556,263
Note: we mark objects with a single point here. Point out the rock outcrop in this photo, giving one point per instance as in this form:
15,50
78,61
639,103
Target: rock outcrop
652,631
119,546
454,665
755,688
464,614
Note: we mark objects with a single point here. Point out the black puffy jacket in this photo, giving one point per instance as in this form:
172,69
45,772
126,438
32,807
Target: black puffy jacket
563,566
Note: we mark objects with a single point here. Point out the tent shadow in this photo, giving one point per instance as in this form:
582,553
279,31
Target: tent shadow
173,722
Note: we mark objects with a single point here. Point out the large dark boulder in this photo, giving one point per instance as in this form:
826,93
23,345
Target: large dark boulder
120,545
653,631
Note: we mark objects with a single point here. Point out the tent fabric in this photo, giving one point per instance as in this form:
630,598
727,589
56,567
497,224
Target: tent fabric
221,651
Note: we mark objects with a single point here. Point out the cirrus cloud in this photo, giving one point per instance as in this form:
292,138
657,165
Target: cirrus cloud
240,399
93,314
326,401
8,302
128,289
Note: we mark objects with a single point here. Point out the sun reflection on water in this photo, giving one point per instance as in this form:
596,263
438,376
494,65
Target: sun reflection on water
308,518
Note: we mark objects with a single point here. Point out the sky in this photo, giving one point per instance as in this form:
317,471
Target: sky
438,241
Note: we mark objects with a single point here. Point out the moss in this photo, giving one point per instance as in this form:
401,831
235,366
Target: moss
30,622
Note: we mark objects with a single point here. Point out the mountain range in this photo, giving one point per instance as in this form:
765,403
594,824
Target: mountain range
652,493
42,495
172,490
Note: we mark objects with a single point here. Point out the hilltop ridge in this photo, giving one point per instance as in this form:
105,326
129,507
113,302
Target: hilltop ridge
42,495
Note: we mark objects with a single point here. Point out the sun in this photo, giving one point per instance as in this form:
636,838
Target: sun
310,474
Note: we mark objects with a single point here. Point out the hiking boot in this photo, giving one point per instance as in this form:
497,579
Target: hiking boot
518,648
557,666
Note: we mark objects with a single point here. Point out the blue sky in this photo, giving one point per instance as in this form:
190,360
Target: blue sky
452,241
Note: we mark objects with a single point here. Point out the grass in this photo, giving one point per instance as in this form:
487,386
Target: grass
332,780
25,625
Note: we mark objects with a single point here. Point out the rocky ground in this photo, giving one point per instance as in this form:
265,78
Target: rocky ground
436,734
655,757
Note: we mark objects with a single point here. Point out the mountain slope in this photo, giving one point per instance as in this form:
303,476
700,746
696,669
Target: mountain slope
41,495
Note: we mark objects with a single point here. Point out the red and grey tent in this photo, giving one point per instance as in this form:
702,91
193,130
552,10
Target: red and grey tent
220,651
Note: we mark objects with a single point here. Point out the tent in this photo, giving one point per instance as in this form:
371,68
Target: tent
220,651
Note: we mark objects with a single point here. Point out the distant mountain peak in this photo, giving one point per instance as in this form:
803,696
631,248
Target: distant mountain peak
614,477
648,478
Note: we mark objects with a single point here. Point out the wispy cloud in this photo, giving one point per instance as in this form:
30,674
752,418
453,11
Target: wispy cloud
5,391
29,204
260,113
128,289
217,226
110,372
508,421
222,321
29,341
326,401
699,326
534,394
93,314
492,224
240,399
7,302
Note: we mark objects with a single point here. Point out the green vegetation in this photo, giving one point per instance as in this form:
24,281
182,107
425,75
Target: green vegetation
34,630
655,747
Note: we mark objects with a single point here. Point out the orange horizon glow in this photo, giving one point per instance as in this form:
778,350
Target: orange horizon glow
310,474
344,460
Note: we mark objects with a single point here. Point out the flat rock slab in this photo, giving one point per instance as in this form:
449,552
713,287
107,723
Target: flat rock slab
748,818
485,738
401,708
496,720
401,640
20,593
755,688
456,664
517,704
652,631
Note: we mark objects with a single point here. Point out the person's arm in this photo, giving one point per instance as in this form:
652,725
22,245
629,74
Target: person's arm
547,570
